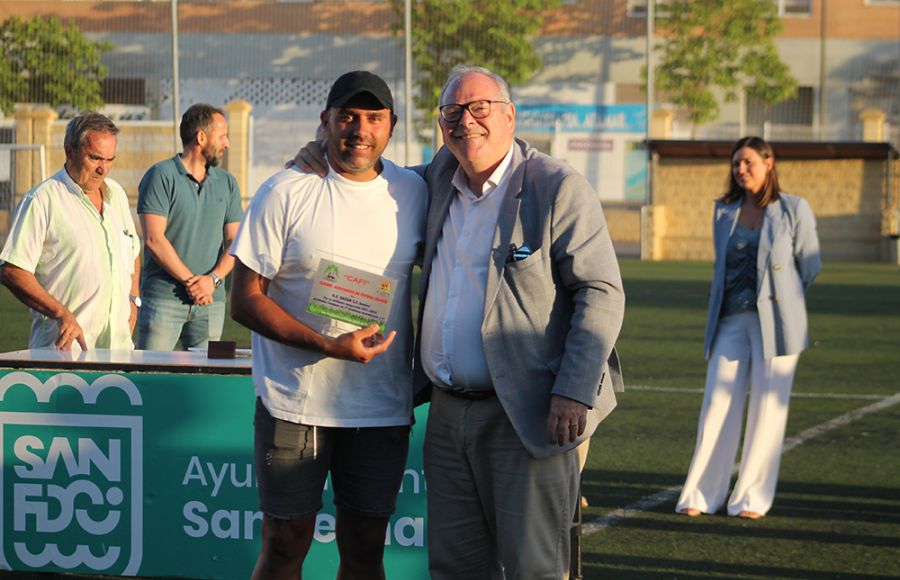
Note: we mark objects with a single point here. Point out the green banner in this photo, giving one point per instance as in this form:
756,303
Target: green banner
152,475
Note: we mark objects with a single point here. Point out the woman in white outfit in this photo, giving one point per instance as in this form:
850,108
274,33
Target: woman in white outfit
766,256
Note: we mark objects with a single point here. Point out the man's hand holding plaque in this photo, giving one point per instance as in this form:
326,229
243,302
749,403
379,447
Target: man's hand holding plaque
352,295
361,345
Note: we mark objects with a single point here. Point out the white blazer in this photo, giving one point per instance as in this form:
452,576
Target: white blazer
787,264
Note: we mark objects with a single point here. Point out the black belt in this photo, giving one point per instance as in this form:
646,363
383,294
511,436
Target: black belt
470,395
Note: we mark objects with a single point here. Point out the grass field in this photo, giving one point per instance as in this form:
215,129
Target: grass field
837,510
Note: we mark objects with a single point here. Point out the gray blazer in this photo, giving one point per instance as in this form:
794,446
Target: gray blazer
787,264
551,319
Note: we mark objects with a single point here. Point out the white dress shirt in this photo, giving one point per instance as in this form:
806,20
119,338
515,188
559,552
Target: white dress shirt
82,258
452,348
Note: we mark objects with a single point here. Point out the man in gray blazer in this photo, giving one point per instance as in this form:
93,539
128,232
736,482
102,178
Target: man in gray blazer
523,303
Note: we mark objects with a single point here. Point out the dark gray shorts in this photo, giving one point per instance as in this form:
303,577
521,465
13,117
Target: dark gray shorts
293,460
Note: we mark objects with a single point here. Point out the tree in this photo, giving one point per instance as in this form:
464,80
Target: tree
44,61
490,33
722,44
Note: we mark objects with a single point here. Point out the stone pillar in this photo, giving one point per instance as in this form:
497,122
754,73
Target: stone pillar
238,160
661,124
660,222
647,232
873,125
653,232
24,136
653,218
44,117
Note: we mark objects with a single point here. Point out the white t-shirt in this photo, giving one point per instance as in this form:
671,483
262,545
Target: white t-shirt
81,258
294,220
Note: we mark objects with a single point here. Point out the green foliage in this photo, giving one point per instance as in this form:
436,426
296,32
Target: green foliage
490,33
45,61
719,44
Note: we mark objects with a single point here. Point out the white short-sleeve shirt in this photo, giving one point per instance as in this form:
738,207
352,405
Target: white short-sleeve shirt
294,220
82,258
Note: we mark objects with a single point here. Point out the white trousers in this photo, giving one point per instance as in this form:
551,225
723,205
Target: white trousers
736,362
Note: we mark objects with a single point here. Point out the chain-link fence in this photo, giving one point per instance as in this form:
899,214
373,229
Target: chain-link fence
585,102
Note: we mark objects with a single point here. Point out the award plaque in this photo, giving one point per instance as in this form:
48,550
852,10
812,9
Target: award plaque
350,294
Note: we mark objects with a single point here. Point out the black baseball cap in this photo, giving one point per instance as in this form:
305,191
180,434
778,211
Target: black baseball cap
353,83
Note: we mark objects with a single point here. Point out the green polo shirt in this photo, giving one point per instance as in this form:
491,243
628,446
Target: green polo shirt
196,214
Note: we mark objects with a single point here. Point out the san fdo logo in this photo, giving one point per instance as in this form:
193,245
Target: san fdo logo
72,474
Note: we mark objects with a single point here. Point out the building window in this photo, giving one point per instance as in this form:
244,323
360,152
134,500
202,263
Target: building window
638,8
788,8
794,8
796,111
123,91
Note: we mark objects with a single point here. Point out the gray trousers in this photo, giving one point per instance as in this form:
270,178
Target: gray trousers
491,505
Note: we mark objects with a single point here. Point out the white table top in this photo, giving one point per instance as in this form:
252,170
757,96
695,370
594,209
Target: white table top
193,362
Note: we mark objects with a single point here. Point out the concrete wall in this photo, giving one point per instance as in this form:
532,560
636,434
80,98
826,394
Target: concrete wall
855,201
624,221
141,144
681,210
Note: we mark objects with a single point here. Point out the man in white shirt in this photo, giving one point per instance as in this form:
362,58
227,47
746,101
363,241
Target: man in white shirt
318,409
72,252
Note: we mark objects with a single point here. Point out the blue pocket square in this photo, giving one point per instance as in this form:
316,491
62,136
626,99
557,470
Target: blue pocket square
518,253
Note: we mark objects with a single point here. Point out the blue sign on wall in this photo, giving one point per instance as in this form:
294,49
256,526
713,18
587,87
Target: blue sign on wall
545,118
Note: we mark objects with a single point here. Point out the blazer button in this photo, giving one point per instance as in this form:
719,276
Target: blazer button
776,266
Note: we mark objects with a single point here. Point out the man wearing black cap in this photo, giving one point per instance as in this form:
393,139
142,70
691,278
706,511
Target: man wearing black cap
356,232
521,305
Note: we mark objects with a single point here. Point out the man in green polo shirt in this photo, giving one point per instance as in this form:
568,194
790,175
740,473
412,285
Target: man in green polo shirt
189,211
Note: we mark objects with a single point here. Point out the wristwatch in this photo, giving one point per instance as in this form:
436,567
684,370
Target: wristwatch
136,299
216,280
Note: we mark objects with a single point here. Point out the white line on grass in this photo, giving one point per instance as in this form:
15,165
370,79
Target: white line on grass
671,493
804,436
650,389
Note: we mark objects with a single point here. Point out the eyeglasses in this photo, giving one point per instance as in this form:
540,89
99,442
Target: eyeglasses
478,109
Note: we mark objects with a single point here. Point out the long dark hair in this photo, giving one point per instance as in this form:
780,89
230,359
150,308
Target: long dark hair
770,188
